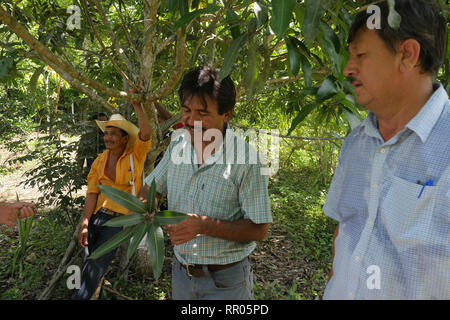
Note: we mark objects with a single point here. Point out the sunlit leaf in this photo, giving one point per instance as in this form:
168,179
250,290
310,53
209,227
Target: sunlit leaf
314,12
155,238
125,220
169,217
124,199
114,242
281,16
231,56
136,240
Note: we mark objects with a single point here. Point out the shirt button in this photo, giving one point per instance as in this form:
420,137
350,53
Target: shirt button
382,150
357,259
351,295
375,187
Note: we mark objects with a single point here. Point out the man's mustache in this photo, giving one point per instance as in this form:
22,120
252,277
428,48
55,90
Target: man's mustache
194,128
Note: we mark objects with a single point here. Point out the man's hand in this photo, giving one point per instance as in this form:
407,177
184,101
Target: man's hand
9,213
186,230
83,235
144,126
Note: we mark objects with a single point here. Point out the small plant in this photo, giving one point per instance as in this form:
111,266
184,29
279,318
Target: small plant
146,219
20,253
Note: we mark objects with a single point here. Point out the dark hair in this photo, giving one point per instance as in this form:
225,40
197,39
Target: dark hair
124,133
204,80
420,21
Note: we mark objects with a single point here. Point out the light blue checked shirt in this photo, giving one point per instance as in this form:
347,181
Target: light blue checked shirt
219,188
393,244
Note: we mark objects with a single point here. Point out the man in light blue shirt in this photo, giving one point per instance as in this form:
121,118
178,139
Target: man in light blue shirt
391,189
218,179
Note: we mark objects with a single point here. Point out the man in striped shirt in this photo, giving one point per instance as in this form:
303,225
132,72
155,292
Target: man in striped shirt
227,202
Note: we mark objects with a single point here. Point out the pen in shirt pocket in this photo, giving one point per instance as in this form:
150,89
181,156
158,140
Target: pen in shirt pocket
428,183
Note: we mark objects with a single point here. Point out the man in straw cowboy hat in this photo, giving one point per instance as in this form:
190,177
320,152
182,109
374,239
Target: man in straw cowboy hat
119,166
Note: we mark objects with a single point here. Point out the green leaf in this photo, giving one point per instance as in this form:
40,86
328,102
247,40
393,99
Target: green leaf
261,13
151,197
114,242
294,56
252,73
185,19
331,35
169,217
124,199
281,16
125,220
307,70
231,56
137,237
326,90
304,112
394,19
233,21
155,238
172,5
314,12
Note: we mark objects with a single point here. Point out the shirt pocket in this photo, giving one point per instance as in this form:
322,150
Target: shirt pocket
408,218
217,196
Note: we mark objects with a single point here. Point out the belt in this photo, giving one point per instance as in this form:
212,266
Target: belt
109,212
196,270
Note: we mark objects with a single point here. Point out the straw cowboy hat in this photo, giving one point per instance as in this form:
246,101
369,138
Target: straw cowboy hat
116,120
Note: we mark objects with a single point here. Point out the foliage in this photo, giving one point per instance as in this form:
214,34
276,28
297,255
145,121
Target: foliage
57,174
146,220
20,253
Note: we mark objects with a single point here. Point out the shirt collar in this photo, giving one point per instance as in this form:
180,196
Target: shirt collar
422,123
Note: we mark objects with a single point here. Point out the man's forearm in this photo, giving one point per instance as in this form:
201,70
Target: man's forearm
89,207
144,126
241,230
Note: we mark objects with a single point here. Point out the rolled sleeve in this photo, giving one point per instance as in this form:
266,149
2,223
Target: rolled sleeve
254,196
93,178
160,174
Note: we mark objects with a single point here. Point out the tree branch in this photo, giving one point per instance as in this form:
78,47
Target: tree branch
57,64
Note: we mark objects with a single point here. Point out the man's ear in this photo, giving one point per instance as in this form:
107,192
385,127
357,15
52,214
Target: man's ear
228,115
410,54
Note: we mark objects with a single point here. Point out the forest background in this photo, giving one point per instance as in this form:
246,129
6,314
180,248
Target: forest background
63,61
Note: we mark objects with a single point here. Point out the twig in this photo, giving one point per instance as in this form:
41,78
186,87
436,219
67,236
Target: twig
107,285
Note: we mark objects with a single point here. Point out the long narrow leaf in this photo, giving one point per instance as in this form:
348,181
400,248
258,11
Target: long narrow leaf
294,56
151,197
314,11
125,220
169,217
231,56
138,235
184,20
156,247
113,243
304,112
124,199
281,16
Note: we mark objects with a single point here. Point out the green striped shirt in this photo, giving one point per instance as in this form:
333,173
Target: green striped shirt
224,187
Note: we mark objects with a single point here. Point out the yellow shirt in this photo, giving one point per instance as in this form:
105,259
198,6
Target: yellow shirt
123,174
